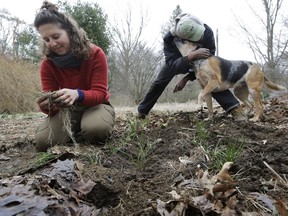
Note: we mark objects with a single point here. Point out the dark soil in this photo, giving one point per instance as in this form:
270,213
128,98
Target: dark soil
144,160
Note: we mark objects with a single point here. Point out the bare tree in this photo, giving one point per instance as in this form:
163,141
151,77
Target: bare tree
14,37
142,72
168,25
271,47
5,31
134,61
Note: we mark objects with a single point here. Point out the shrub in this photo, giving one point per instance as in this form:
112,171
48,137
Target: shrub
20,83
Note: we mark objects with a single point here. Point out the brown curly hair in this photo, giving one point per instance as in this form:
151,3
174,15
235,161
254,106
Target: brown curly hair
49,14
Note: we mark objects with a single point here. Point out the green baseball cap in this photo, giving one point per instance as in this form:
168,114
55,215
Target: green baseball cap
189,29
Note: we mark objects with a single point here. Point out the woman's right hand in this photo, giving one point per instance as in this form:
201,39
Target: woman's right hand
44,103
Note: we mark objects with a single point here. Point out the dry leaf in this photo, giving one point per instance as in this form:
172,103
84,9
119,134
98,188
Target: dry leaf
185,160
281,207
175,195
223,175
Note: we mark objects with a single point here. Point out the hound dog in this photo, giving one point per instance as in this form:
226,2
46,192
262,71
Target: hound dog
217,74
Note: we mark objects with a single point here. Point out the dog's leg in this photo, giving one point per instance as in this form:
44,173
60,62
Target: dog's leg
206,93
208,100
255,82
211,85
241,92
256,95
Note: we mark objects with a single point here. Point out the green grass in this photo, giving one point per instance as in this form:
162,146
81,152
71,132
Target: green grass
43,157
6,115
144,149
135,145
201,135
93,158
136,126
227,150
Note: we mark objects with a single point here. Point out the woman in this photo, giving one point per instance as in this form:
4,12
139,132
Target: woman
74,77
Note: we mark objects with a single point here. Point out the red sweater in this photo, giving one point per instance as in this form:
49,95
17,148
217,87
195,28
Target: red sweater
91,78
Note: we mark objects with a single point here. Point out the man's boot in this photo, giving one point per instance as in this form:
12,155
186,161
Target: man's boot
238,114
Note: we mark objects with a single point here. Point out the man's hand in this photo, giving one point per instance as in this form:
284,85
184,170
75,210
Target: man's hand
181,84
65,97
199,54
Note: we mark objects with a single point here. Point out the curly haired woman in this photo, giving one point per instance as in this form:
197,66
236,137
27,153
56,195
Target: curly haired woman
74,77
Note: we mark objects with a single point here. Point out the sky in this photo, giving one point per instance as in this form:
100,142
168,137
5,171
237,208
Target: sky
219,15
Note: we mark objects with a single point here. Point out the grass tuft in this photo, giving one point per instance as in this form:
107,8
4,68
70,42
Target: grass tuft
18,82
44,157
227,149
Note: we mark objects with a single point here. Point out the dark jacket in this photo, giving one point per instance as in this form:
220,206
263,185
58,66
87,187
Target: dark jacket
173,58
176,64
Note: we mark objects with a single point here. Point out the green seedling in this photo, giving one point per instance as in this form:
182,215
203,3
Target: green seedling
44,157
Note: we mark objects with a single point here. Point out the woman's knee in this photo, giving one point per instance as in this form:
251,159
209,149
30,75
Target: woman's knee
96,134
41,143
49,133
97,123
45,141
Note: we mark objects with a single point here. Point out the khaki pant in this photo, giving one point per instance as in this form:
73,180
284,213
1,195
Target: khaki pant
94,124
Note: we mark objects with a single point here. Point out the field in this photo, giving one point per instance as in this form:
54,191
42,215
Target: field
168,164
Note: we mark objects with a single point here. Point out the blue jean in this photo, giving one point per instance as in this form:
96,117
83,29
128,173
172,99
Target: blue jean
225,98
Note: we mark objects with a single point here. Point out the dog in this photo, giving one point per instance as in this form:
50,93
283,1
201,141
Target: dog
216,74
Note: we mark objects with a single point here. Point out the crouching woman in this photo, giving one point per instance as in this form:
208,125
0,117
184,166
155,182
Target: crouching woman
74,79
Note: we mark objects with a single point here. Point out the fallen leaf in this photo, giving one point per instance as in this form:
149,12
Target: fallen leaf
281,207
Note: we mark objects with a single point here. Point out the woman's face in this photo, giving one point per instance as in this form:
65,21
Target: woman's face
55,38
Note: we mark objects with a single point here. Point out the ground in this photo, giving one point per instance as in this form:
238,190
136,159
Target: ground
164,165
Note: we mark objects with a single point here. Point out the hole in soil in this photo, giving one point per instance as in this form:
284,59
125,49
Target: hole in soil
102,196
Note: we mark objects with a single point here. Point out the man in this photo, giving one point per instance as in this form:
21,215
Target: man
190,28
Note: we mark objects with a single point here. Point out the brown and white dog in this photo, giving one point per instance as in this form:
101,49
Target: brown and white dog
217,74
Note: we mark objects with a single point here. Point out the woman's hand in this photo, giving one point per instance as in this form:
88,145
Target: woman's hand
65,97
45,103
199,54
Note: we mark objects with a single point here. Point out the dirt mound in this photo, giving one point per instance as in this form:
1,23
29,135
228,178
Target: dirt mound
163,165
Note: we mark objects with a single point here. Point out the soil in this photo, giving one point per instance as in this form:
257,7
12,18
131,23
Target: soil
162,165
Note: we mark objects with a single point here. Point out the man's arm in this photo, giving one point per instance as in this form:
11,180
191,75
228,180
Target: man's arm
200,53
182,83
192,56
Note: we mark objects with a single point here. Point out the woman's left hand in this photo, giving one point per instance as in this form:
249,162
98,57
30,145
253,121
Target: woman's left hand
65,97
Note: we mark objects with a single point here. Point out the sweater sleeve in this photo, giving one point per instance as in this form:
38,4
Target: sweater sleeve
98,90
173,58
48,80
49,84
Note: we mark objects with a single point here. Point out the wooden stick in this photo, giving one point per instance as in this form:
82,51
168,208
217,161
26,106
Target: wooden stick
276,174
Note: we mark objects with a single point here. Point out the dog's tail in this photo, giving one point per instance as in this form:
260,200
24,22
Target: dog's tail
274,86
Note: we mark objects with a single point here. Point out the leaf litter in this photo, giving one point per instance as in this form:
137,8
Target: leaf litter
174,178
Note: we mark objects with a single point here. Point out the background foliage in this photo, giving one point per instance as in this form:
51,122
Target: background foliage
92,19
